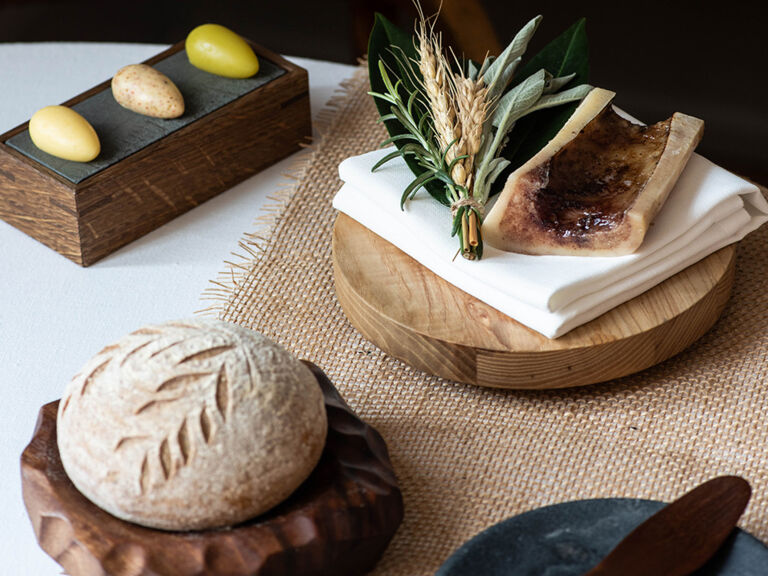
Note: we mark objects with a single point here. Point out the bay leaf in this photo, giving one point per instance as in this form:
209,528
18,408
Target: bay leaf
387,40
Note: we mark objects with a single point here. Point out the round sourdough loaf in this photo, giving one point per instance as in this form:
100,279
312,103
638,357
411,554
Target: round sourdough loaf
191,425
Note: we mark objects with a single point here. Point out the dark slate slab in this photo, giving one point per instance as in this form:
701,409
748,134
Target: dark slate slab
123,132
568,539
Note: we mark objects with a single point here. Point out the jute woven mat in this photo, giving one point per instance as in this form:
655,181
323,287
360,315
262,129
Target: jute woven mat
468,457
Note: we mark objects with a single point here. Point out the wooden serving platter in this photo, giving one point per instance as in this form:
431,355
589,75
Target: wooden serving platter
149,171
337,523
418,317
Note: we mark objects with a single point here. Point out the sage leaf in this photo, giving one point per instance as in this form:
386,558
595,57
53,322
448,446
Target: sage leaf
507,74
555,84
496,167
574,94
512,106
518,99
515,49
472,70
566,54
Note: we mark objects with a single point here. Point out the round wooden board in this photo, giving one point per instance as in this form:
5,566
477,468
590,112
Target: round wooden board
337,523
414,315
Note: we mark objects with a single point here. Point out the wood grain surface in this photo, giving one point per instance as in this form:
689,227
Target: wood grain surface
39,205
125,201
680,538
414,315
337,523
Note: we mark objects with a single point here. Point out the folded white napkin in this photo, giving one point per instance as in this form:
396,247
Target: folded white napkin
708,208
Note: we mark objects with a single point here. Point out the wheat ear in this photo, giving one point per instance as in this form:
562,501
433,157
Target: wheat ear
437,86
472,109
458,108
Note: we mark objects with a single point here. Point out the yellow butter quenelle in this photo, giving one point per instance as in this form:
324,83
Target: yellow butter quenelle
220,51
62,132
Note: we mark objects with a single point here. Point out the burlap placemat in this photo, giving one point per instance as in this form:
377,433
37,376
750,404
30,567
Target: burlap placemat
468,457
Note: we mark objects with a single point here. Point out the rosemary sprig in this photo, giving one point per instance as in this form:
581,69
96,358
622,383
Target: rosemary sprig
421,144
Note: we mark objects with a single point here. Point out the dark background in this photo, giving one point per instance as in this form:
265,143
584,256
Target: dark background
659,56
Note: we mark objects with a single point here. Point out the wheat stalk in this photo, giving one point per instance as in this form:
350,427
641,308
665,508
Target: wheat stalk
458,108
439,90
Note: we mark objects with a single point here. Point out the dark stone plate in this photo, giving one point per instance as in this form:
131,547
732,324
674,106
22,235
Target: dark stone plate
570,538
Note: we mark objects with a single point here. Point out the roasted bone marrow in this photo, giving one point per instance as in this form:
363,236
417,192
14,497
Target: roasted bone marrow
596,187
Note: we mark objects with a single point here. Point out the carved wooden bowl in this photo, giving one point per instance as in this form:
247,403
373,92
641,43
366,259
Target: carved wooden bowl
338,522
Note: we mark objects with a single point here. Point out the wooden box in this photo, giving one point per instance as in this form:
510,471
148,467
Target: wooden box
208,151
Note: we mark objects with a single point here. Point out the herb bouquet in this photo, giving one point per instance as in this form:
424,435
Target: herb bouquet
461,125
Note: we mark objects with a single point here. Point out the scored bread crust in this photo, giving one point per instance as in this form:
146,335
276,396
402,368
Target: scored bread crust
515,224
191,425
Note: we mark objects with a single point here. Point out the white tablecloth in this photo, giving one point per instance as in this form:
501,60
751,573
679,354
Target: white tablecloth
55,315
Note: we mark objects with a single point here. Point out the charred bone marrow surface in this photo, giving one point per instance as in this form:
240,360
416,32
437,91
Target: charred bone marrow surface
594,189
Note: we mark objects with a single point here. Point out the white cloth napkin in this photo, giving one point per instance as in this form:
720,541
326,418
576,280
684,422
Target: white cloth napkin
708,208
